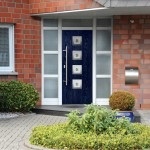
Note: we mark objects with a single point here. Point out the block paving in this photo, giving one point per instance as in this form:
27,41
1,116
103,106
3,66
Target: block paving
14,132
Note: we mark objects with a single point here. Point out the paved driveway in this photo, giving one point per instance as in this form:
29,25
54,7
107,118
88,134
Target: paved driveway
13,132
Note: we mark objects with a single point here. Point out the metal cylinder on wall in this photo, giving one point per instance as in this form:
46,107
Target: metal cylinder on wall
131,75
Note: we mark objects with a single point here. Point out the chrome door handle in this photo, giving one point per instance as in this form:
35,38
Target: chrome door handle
66,50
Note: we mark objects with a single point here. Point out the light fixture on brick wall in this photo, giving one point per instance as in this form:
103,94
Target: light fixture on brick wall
131,20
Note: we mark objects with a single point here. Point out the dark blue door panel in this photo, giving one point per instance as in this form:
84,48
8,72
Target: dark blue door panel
83,95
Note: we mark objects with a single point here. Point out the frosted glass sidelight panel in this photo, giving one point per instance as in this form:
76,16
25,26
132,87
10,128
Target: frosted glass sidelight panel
77,23
50,40
103,88
103,40
50,64
50,88
103,22
103,64
4,47
50,23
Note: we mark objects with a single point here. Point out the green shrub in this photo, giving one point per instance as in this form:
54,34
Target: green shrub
122,100
81,132
98,120
18,96
3,102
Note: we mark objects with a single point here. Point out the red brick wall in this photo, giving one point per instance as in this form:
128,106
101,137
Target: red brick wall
131,47
46,6
8,77
27,41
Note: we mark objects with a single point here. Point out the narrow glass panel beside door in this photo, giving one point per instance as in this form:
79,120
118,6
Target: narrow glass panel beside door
103,88
103,64
50,40
50,64
103,40
50,88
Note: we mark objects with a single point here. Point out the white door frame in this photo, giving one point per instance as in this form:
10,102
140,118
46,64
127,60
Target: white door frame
58,101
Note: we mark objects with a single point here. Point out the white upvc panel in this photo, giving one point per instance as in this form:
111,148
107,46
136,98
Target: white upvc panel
103,76
103,28
59,62
76,28
94,62
50,52
50,75
102,101
50,28
111,55
42,60
50,101
104,52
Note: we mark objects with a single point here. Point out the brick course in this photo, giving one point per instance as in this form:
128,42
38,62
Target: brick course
46,6
131,47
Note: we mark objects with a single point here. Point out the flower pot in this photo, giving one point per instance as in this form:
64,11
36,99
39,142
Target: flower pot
127,114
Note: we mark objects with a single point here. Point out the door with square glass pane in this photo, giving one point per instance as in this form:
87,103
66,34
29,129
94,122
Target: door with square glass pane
76,67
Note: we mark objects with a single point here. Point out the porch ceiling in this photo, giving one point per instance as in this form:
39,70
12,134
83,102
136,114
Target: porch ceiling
123,3
98,12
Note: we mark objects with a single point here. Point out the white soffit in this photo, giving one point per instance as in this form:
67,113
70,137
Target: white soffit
124,3
74,13
97,12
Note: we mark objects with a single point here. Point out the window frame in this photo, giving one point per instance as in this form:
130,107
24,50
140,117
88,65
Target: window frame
9,68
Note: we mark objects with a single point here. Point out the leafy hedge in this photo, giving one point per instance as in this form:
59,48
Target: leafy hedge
17,96
96,129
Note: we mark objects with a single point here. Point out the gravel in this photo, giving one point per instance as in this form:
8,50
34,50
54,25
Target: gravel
8,115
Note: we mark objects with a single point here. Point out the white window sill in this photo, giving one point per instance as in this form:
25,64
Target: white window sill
8,73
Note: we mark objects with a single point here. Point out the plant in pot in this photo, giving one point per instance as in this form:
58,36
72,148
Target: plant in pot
123,102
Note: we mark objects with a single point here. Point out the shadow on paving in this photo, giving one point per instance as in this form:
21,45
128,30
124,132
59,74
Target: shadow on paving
63,110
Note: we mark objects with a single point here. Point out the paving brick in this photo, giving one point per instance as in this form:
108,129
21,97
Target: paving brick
13,132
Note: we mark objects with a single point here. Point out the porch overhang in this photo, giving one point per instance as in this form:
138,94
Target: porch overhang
97,12
124,3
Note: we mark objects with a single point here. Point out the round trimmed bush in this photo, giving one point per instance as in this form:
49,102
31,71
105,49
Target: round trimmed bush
18,96
122,100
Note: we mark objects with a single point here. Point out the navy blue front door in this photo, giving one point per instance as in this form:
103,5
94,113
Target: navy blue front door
76,67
